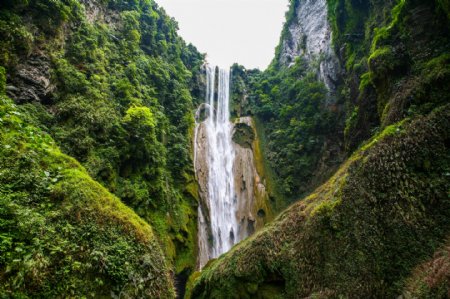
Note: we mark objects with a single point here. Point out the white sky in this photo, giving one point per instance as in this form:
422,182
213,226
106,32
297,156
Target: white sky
242,31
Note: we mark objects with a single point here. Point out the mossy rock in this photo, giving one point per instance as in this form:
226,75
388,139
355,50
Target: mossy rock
203,113
244,135
431,279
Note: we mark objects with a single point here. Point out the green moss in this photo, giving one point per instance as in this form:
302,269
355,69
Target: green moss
381,34
349,64
191,280
192,189
437,68
366,80
277,200
243,135
350,122
393,129
380,53
324,210
64,234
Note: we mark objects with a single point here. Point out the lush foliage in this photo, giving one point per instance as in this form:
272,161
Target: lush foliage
62,233
119,101
386,56
113,86
387,48
290,102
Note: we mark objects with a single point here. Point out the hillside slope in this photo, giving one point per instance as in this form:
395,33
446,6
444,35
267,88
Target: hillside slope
359,235
342,72
63,234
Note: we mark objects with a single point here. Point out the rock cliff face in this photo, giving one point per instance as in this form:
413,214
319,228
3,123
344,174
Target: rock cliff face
96,12
309,36
253,199
201,166
202,173
32,80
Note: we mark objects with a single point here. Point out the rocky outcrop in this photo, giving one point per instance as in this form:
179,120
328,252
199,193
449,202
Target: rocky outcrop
253,200
200,163
201,172
309,36
31,81
243,134
96,12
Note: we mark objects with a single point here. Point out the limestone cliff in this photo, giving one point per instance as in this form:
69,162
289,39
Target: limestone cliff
308,35
253,200
202,172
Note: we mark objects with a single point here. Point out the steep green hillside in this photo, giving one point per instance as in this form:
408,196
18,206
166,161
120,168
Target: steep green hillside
61,233
290,105
360,234
394,60
113,84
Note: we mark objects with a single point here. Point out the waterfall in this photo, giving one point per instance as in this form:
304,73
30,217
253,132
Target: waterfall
218,225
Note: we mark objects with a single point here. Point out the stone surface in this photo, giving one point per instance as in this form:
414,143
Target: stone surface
201,167
243,134
310,38
31,81
96,12
252,197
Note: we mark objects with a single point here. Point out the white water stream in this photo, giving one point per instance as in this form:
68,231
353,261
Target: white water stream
221,233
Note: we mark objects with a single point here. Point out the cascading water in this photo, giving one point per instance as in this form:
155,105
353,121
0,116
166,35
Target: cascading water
218,229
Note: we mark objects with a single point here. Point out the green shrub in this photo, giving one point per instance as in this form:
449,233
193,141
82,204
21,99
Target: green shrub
2,80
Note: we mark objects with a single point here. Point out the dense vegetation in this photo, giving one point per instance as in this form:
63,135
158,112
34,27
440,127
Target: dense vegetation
395,62
113,84
291,104
63,233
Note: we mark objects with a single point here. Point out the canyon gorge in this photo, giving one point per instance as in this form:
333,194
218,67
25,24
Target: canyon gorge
131,167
